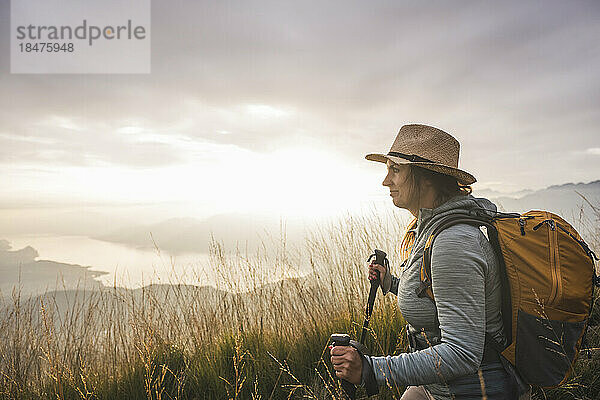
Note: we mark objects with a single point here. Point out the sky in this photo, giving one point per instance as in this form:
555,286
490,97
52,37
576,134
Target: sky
271,106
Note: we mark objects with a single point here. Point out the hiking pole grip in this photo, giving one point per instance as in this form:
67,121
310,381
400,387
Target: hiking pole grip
380,259
342,339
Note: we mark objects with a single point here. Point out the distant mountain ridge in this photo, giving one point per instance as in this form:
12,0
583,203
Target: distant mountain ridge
180,235
21,267
491,193
559,198
574,185
191,235
574,202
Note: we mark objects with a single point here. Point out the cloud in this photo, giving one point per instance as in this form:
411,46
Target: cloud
76,141
506,78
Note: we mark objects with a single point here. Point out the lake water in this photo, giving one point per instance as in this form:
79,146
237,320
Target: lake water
125,266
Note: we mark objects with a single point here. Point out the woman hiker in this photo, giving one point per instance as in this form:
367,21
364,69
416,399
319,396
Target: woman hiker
449,358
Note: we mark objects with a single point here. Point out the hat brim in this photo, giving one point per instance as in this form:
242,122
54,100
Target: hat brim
463,177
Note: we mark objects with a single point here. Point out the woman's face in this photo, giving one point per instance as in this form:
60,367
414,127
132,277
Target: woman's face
399,182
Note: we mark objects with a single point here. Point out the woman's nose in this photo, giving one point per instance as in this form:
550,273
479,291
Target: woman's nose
387,181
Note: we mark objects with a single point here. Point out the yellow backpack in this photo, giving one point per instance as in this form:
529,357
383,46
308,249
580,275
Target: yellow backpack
548,277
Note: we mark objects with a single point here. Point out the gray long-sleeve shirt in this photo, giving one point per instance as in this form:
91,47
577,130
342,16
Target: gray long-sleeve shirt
467,290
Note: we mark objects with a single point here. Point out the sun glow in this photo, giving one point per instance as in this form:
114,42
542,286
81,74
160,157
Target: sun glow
173,164
293,181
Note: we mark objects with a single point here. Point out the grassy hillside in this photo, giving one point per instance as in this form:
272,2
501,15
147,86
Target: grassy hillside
182,342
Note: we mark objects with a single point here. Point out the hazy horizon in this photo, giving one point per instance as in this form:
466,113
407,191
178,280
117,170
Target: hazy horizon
268,109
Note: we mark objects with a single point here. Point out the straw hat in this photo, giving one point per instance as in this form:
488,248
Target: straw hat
426,147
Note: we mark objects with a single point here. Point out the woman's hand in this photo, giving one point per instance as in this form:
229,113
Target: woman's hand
373,269
347,363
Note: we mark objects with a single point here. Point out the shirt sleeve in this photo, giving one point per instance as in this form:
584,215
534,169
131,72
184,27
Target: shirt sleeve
458,270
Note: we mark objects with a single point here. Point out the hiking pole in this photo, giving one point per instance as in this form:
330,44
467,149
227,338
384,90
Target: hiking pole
380,258
343,339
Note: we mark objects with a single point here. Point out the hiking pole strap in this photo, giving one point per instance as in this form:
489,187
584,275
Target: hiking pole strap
349,389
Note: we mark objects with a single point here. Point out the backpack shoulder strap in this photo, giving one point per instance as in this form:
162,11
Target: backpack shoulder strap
425,287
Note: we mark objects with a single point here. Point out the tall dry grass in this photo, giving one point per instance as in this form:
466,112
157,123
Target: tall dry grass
262,333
